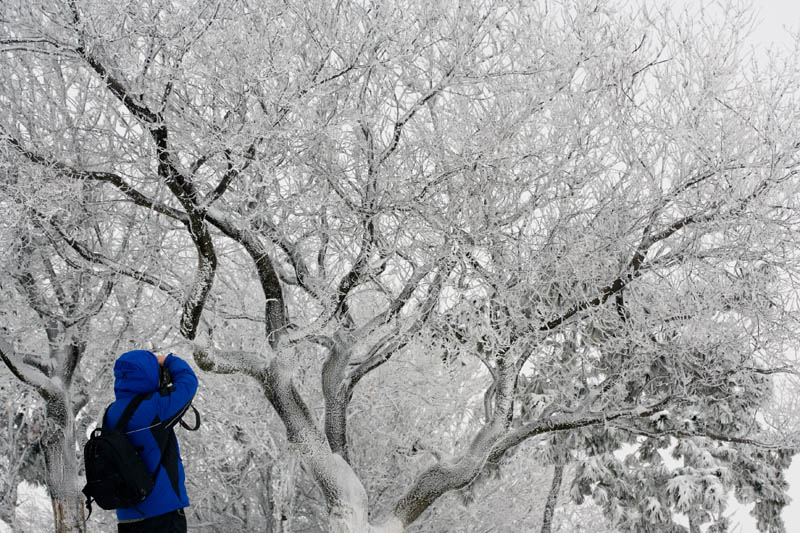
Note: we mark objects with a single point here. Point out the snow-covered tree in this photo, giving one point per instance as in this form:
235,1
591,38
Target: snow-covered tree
594,206
45,327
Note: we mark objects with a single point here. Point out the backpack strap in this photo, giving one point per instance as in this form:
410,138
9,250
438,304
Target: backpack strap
122,423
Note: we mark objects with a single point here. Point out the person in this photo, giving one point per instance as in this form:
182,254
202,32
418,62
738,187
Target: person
151,430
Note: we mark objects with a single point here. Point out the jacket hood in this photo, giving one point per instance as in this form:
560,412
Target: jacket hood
136,372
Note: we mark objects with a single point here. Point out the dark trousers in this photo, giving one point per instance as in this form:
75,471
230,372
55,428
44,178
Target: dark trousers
173,522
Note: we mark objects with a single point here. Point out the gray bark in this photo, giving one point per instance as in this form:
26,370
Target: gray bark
62,481
694,527
552,499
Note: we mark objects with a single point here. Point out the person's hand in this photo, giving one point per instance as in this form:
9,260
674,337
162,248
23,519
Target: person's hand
161,357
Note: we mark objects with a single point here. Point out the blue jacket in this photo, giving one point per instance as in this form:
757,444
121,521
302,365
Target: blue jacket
151,426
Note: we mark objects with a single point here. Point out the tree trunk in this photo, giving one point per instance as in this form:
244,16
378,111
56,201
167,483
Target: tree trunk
354,519
552,499
349,511
68,516
62,479
348,519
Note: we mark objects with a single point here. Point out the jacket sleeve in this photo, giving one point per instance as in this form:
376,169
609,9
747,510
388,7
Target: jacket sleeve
175,399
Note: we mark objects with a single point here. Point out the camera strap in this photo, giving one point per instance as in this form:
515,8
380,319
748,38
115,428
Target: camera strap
186,426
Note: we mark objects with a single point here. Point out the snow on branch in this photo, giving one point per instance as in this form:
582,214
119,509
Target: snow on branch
699,432
93,257
228,362
111,178
195,302
24,372
489,445
292,251
566,423
395,341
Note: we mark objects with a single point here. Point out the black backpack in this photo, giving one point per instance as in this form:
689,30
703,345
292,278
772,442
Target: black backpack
116,476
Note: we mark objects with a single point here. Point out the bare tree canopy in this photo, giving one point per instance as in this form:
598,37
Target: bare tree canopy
592,208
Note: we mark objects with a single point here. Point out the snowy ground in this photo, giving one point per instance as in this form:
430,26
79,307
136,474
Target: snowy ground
34,513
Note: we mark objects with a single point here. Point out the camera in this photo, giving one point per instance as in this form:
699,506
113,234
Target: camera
164,378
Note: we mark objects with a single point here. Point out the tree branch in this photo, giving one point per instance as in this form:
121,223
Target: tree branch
357,271
397,304
336,392
138,275
395,341
490,445
409,114
108,177
292,251
636,430
231,174
201,286
114,85
24,373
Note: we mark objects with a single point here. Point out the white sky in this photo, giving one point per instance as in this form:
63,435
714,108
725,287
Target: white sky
774,16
